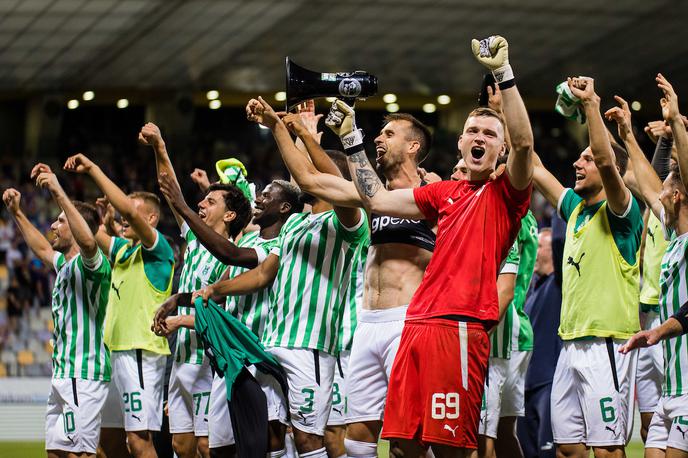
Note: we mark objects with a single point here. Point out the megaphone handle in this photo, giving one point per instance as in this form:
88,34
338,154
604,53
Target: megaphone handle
351,101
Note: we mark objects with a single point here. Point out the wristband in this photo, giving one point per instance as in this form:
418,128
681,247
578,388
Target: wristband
352,142
503,74
681,317
507,84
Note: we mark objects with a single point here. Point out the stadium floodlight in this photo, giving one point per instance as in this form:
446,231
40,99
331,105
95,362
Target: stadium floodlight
636,106
281,96
73,104
443,99
392,107
122,103
88,95
214,104
212,95
389,98
429,108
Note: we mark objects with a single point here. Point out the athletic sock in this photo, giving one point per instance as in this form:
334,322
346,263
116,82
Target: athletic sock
290,446
320,453
359,449
278,453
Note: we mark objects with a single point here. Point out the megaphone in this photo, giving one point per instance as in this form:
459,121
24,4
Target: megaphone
304,84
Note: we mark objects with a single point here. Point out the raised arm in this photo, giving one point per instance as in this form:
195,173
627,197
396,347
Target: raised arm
648,183
545,182
150,136
224,250
672,116
123,204
33,237
376,199
247,283
618,196
82,234
493,52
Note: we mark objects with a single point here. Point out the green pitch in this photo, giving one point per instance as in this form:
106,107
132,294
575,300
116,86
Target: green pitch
35,450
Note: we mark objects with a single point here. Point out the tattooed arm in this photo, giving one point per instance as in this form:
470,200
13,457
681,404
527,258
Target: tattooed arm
377,199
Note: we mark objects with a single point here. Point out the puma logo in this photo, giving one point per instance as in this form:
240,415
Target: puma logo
651,235
610,429
575,264
116,289
683,433
339,411
71,440
134,416
451,430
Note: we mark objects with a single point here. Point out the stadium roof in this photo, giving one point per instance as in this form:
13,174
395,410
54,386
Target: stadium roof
413,46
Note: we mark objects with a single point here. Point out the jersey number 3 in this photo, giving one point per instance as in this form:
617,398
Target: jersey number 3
445,406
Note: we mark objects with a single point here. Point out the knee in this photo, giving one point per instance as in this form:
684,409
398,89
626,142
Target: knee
183,446
277,433
609,452
203,447
334,440
139,442
306,442
360,449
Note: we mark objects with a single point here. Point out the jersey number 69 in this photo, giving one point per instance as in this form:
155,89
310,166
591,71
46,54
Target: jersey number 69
445,405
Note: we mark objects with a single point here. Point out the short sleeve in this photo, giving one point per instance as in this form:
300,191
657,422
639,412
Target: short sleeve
512,261
517,199
185,230
568,201
94,263
356,233
116,244
58,261
428,198
158,261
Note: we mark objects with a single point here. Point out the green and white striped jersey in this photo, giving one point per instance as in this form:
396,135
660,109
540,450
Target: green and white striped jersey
252,309
200,269
673,288
316,257
515,331
353,299
500,345
79,301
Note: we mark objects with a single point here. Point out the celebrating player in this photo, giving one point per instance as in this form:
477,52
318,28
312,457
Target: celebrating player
592,391
449,312
669,202
225,211
81,362
143,264
400,250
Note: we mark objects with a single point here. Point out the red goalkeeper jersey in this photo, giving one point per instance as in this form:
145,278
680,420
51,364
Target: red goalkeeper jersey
477,222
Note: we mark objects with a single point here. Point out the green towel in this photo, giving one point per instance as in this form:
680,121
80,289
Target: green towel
231,346
568,105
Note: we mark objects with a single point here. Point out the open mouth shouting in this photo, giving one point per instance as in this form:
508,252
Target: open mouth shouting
477,152
380,150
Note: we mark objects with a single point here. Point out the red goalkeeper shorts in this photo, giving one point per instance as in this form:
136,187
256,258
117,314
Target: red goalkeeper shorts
436,384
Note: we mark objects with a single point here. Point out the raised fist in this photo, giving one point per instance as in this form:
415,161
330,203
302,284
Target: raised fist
582,87
11,197
492,52
79,164
150,135
621,115
258,110
200,177
341,119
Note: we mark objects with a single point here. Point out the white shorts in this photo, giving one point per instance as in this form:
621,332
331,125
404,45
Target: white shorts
72,419
220,432
497,369
135,398
650,370
339,396
592,393
375,345
669,425
189,397
310,374
513,392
